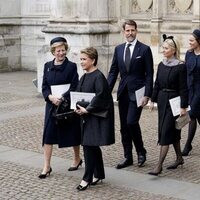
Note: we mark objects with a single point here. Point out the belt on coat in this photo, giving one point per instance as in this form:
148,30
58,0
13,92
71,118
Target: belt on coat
168,90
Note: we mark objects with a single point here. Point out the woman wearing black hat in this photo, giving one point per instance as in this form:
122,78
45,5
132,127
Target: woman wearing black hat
193,67
59,71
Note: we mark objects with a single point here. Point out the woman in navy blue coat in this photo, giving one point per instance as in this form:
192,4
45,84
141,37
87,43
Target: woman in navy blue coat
59,71
193,73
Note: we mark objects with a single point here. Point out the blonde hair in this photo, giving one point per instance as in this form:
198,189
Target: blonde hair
174,44
57,44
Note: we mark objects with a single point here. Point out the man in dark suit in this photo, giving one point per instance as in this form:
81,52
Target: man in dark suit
133,60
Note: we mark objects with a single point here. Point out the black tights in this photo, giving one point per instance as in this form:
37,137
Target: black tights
163,153
191,132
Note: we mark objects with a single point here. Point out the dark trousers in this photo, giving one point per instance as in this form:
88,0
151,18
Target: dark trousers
93,163
130,129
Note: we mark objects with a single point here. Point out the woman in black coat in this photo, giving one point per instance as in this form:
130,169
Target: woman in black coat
97,118
192,60
59,71
171,82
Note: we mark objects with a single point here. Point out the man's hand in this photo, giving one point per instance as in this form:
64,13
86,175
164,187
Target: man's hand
151,106
144,101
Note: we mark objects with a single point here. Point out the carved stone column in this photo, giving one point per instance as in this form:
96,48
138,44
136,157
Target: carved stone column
156,22
196,15
83,23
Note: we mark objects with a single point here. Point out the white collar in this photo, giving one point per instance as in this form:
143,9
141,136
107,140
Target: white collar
132,43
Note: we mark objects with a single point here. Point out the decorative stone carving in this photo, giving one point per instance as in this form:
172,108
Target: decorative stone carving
183,5
145,4
180,6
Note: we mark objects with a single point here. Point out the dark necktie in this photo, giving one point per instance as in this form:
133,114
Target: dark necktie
127,57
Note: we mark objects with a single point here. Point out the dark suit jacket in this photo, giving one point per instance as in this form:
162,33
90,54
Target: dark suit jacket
140,71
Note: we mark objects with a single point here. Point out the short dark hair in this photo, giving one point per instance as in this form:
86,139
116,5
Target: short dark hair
129,22
92,53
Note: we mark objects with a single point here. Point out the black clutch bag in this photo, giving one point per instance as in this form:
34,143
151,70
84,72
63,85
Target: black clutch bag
82,103
103,113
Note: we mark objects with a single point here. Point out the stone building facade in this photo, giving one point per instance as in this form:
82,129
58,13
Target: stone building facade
27,26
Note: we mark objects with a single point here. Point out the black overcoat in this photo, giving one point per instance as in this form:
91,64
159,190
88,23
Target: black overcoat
171,81
63,134
97,130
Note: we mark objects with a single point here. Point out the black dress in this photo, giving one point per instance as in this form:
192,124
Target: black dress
64,134
171,81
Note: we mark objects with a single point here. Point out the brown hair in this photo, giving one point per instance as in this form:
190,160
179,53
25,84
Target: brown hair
129,22
92,53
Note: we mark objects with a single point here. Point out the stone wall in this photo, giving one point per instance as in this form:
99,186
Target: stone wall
26,27
34,16
21,37
10,54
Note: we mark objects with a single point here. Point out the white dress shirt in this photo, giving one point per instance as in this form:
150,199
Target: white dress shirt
131,47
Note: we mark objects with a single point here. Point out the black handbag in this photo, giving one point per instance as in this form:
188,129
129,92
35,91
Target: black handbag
63,111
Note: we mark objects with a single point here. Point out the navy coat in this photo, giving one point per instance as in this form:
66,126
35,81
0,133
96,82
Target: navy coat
97,130
193,77
140,72
64,134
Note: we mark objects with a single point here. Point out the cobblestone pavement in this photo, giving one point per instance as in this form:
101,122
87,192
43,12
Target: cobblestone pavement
21,124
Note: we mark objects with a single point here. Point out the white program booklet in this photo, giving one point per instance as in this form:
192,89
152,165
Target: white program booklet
80,96
59,90
138,95
175,104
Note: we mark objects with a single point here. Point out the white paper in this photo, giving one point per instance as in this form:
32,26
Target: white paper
175,104
139,94
79,96
59,90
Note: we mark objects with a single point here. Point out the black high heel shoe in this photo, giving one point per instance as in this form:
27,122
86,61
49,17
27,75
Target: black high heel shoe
81,188
42,176
95,182
176,164
155,173
76,167
187,150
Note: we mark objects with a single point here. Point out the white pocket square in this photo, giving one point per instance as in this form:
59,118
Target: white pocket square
138,57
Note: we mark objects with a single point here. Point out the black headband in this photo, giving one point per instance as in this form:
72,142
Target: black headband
165,37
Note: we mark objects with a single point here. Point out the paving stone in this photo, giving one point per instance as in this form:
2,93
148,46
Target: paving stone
24,131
